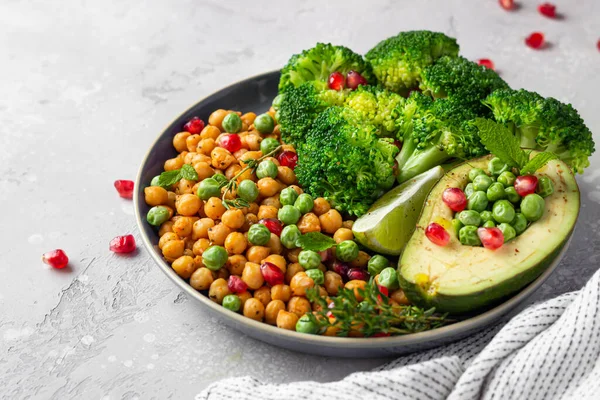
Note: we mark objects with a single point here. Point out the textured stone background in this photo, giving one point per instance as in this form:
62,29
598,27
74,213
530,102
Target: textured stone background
85,88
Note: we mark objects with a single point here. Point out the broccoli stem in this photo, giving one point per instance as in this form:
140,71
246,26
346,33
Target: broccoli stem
422,161
527,134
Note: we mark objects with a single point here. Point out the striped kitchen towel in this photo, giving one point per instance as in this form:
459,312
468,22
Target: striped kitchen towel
549,351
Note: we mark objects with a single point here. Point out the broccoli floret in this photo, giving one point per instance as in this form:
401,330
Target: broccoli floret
318,63
399,61
544,124
435,132
377,106
343,160
459,79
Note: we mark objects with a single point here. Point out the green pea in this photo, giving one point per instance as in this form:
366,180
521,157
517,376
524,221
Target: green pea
519,223
266,169
389,278
512,195
468,236
277,101
268,145
456,225
507,178
232,302
288,214
288,196
496,166
306,325
214,257
316,275
232,123
309,259
304,203
277,113
157,215
209,188
508,231
376,264
220,178
155,180
532,207
545,187
486,216
489,224
259,235
477,201
503,211
469,190
346,251
469,217
289,236
482,182
496,192
247,190
474,173
264,123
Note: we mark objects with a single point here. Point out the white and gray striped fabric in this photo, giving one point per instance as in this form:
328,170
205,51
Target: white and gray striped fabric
549,351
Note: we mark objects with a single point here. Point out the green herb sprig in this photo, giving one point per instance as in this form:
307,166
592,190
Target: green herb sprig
169,178
315,241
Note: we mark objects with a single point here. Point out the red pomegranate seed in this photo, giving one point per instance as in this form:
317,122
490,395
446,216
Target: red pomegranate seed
486,62
381,334
236,284
194,126
340,268
122,244
455,199
231,142
547,10
525,185
56,258
507,4
125,188
598,44
326,255
272,274
437,234
491,238
336,81
358,274
274,225
535,40
288,159
354,80
384,291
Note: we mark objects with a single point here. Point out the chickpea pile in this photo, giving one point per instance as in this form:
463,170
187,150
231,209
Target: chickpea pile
189,226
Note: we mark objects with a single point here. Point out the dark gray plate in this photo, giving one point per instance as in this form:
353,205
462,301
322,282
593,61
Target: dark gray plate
255,94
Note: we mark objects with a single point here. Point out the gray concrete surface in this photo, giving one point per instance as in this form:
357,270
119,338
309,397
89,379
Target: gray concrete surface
84,89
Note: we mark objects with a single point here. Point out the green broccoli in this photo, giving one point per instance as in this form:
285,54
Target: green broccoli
399,61
544,124
343,160
434,132
459,79
377,106
318,63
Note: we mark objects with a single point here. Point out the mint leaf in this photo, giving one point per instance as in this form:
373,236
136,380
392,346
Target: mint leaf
169,178
537,162
501,142
188,172
315,241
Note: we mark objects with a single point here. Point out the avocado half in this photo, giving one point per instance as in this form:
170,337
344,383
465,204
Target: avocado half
460,279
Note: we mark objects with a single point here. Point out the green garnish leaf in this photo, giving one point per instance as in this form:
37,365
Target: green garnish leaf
537,162
188,172
169,178
501,142
315,241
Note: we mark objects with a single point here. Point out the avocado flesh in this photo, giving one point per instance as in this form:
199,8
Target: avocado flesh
460,279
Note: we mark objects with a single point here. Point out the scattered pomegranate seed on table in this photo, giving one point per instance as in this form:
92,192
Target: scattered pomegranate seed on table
354,80
535,40
272,274
437,234
598,44
56,259
336,81
288,159
194,126
236,284
486,62
491,238
231,142
525,185
455,199
125,188
122,244
547,10
507,4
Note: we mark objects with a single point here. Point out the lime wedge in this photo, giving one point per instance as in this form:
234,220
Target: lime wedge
390,222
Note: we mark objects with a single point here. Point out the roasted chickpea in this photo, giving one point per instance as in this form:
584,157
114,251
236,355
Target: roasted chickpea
232,170
223,273
179,141
200,228
233,218
238,154
292,255
213,208
252,275
254,309
218,289
399,297
171,199
173,249
210,132
216,118
281,292
192,142
201,279
292,270
183,227
248,118
249,220
348,224
331,221
165,227
272,310
286,175
253,141
278,260
221,158
184,266
200,246
188,204
300,283
189,157
286,320
235,243
235,264
251,155
206,146
287,147
343,234
267,212
204,170
299,306
272,201
155,196
274,245
184,186
321,206
333,283
355,285
256,254
247,174
309,223
263,294
173,164
360,261
268,187
297,189
166,237
218,233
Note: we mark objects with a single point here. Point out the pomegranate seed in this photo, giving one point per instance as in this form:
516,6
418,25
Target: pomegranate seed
354,80
491,238
122,244
272,274
381,334
236,284
274,225
598,44
437,234
336,81
547,10
56,258
194,126
340,268
125,188
455,199
525,185
288,159
398,144
326,255
358,274
231,142
507,4
486,62
384,291
535,40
